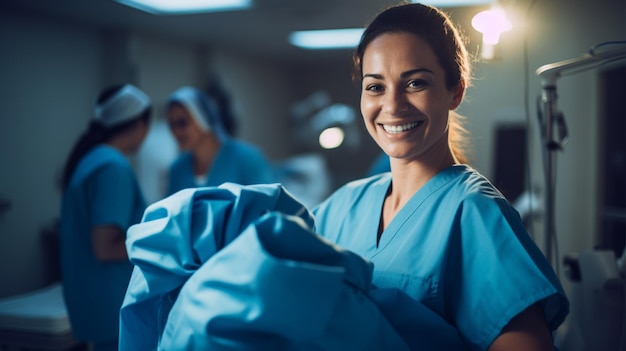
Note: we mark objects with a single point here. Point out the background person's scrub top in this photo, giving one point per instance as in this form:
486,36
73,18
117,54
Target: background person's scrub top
102,191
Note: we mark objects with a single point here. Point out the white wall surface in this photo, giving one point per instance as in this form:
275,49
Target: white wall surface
261,95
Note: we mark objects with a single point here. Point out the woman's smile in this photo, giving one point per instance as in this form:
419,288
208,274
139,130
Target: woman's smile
396,129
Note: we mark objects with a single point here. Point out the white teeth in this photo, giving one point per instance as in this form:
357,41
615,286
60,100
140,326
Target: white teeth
401,128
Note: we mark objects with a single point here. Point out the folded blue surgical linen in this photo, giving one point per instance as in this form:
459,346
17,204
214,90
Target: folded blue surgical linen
239,268
175,237
278,286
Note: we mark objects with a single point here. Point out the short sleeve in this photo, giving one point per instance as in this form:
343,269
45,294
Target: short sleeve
495,271
114,200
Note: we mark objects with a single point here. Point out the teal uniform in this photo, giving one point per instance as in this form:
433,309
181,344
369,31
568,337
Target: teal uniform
457,247
236,162
102,191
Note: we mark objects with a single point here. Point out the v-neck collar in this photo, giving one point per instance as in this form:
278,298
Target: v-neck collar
407,211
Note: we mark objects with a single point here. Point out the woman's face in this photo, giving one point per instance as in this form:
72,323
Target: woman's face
184,128
404,99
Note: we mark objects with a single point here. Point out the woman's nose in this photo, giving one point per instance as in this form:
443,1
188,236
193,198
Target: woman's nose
395,103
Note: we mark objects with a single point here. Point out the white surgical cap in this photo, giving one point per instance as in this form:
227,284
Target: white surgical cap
197,105
128,103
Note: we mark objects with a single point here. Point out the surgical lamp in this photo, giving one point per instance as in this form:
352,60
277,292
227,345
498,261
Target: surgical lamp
549,115
322,123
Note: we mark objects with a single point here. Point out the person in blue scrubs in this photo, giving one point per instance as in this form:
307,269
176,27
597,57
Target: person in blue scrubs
434,227
210,156
101,200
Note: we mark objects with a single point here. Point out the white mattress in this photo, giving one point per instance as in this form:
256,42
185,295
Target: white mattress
41,311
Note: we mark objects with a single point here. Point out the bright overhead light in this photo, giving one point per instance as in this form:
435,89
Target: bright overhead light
179,7
327,39
349,37
491,24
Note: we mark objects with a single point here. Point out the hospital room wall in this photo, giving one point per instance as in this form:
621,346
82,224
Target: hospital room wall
51,70
50,73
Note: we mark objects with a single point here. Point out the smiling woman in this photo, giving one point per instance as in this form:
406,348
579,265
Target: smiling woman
434,227
440,252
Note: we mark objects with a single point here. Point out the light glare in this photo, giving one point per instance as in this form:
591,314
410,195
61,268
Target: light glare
331,138
491,23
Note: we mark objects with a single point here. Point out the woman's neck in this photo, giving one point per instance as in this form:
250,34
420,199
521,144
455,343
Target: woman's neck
122,143
407,178
204,154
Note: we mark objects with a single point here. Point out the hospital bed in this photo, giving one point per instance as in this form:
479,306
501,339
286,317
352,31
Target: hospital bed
35,321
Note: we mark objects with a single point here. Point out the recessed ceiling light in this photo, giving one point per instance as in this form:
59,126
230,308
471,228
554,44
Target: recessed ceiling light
179,7
327,38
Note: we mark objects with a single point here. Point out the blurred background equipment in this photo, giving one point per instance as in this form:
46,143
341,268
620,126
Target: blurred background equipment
552,119
598,312
319,122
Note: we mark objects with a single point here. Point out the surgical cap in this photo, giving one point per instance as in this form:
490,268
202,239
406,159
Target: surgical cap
128,103
201,108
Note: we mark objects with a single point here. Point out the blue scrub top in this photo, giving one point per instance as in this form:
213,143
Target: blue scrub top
457,246
236,162
102,191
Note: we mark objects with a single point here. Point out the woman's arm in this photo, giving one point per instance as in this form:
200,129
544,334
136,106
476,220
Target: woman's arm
108,243
526,331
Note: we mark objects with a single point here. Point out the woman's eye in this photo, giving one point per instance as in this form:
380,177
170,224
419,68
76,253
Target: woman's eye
373,88
417,84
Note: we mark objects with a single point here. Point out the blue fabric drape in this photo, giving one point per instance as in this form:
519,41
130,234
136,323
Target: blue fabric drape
239,268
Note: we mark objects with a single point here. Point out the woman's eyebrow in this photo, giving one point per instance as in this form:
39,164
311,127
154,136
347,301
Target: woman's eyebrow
403,75
414,71
373,75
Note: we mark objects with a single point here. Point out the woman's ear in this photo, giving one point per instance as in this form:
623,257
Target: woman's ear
459,92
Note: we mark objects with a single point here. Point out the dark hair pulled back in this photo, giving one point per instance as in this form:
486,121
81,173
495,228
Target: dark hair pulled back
97,134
